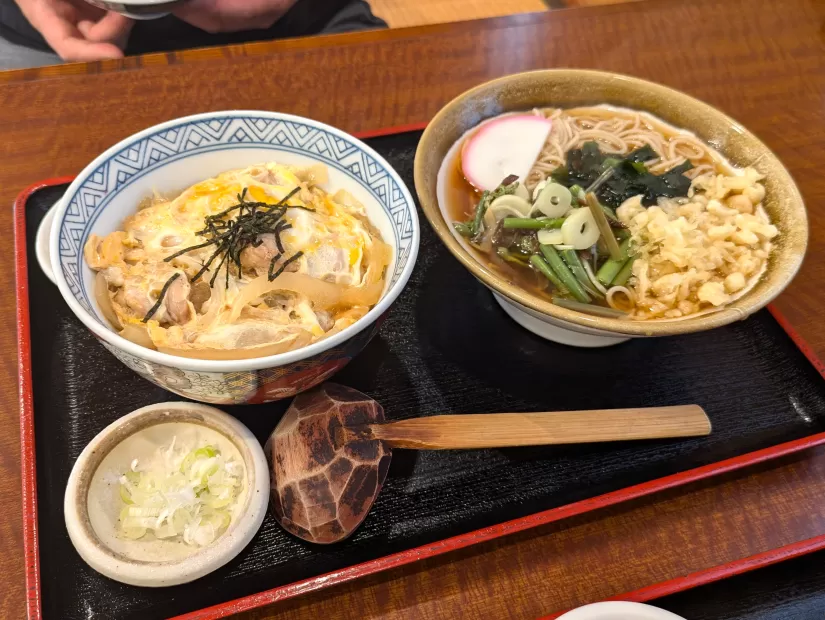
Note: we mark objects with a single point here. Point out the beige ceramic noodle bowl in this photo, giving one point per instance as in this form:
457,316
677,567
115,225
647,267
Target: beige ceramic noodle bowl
736,181
252,263
691,256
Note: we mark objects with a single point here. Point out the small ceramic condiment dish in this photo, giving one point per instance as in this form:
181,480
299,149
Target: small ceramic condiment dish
92,503
619,610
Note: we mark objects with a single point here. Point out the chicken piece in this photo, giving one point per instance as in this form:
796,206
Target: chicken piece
136,299
177,302
332,264
258,259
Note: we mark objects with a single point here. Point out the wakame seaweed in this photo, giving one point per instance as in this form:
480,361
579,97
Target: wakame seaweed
630,176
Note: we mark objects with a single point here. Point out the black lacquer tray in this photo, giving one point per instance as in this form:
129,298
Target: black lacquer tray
446,347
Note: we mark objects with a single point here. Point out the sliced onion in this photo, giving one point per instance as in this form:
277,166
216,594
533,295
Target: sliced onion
523,192
551,236
506,206
291,342
616,305
537,189
316,174
104,301
553,200
323,295
346,319
592,277
492,216
580,229
514,202
139,334
343,197
377,256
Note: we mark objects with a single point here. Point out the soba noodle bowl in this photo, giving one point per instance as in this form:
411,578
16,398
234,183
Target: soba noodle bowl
620,214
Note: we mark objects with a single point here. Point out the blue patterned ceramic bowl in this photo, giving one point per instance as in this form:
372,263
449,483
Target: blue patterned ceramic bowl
174,155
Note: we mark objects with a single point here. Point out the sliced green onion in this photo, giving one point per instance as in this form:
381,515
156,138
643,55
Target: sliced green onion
180,493
207,452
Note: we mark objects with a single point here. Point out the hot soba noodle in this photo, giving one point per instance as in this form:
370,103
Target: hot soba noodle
610,211
620,131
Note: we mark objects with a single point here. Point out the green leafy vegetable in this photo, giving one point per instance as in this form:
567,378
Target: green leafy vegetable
526,223
475,226
564,274
540,265
630,176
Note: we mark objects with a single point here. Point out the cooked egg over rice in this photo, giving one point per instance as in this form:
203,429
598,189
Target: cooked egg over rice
253,262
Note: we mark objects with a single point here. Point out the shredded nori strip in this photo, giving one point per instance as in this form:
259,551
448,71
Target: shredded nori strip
185,250
286,263
230,237
161,295
218,269
272,263
282,226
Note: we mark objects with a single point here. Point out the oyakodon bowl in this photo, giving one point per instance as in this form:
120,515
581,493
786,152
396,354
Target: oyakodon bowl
172,156
567,88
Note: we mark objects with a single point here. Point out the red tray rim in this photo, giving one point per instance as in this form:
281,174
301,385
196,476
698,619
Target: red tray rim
708,575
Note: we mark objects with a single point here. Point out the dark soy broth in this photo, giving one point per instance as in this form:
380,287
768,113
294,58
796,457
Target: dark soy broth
462,199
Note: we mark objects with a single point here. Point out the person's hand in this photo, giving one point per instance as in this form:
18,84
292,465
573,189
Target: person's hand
232,15
76,30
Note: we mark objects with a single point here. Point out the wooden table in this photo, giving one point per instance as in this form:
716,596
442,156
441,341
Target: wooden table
761,61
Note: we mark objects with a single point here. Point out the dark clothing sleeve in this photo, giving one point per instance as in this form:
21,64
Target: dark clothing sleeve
306,17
